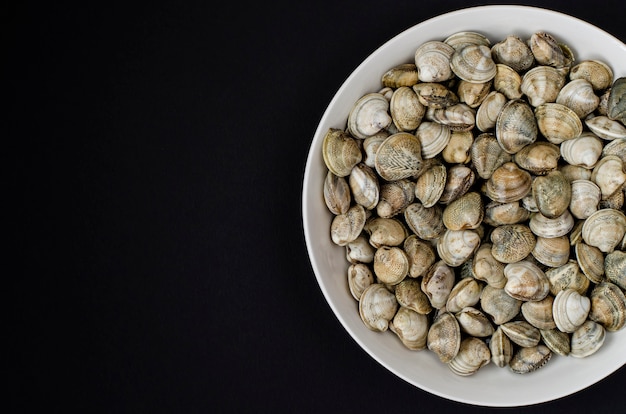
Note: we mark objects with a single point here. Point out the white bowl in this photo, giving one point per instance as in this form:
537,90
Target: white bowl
491,386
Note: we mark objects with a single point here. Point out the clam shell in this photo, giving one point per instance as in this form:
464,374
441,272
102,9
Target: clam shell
409,294
616,105
399,156
499,305
473,322
473,63
608,306
406,109
459,180
567,276
487,155
444,337
597,73
584,151
557,122
486,268
501,348
553,251
411,327
538,158
457,117
542,84
526,281
433,138
543,226
460,39
421,255
370,146
360,250
508,82
557,341
609,175
385,231
615,268
616,147
514,52
508,183
456,246
487,112
377,307
570,310
473,354
552,193
497,214
437,284
604,229
391,265
527,360
346,227
590,261
404,74
473,94
605,127
547,50
359,278
516,126
425,222
466,212
587,339
512,242
435,95
521,333
364,185
430,185
458,149
578,95
340,151
432,60
466,292
336,194
539,313
369,115
575,172
394,197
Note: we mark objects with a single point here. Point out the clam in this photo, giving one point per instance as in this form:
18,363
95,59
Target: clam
411,327
404,74
595,72
486,268
460,39
473,322
522,333
473,354
359,278
346,227
516,126
552,193
609,175
456,246
553,251
425,222
512,242
487,155
570,310
437,284
433,138
567,276
391,264
457,117
459,180
501,348
591,261
616,105
421,255
542,84
604,229
587,339
497,214
435,95
526,281
444,337
473,63
557,341
430,185
377,307
543,226
608,306
614,201
473,94
399,156
538,158
605,127
364,185
432,60
615,268
466,212
487,112
616,147
547,51
578,95
458,149
409,294
340,151
557,122
369,115
508,82
575,172
584,151
336,194
406,109
394,197
360,250
385,231
527,360
370,146
508,183
514,52
466,292
539,313
499,305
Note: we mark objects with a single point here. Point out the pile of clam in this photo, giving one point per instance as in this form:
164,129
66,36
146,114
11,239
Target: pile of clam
479,194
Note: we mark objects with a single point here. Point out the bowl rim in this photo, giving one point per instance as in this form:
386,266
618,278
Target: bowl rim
311,156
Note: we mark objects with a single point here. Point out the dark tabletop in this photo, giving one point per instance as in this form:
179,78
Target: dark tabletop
154,165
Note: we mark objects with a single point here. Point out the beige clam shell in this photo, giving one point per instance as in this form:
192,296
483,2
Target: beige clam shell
557,122
430,185
608,306
360,250
501,348
486,268
512,242
437,284
391,265
474,322
605,127
473,94
433,138
570,310
542,84
516,126
406,109
385,231
539,313
522,333
425,222
432,59
360,277
615,268
337,194
609,175
508,82
487,155
553,251
466,292
526,281
595,72
547,50
364,185
487,112
552,193
346,227
499,305
508,183
584,151
527,360
538,158
340,152
458,149
457,246
377,307
459,179
466,212
421,255
394,197
444,337
579,96
567,276
409,294
411,327
514,52
604,229
404,74
461,39
473,63
369,115
587,339
435,95
399,156
497,214
473,354
616,103
557,341
543,226
590,261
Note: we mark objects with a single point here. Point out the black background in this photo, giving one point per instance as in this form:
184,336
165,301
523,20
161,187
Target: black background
154,161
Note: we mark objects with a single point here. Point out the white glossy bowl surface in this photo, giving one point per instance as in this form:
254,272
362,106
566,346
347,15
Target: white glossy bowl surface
491,386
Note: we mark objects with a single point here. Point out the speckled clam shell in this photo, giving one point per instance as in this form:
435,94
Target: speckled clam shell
516,126
579,96
377,307
567,276
542,84
497,214
473,354
539,313
552,193
553,251
512,242
508,183
557,123
604,229
538,158
406,109
459,179
409,294
394,197
608,306
514,52
557,341
499,305
360,276
404,74
425,222
587,339
466,212
605,127
411,328
616,104
615,268
616,147
473,63
457,117
421,255
369,115
527,360
435,95
508,82
340,152
444,337
399,156
391,265
364,185
437,284
570,310
547,50
346,227
487,155
596,72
